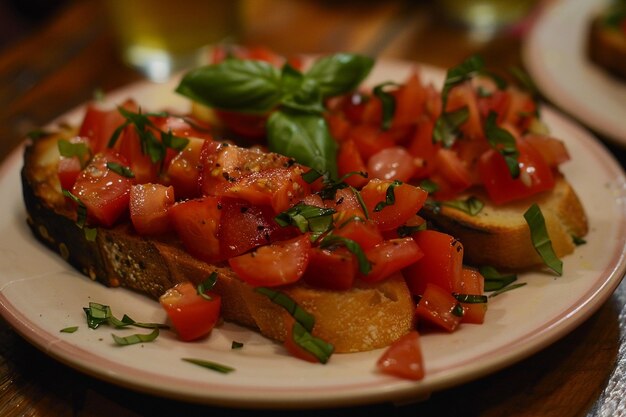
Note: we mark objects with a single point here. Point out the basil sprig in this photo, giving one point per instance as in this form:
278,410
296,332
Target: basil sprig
296,127
541,240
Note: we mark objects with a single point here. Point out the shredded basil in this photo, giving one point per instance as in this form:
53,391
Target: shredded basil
471,205
541,240
504,142
578,240
134,339
68,149
494,280
390,196
471,298
458,310
98,314
388,103
214,366
81,216
405,231
429,186
307,218
236,345
448,125
120,169
507,288
302,316
70,329
36,134
331,240
207,285
321,349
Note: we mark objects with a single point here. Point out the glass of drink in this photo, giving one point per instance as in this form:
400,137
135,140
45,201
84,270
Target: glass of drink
160,37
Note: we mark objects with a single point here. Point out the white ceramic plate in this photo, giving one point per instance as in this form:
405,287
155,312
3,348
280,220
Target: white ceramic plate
555,56
40,294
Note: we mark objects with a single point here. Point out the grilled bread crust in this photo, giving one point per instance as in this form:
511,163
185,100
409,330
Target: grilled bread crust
364,318
499,235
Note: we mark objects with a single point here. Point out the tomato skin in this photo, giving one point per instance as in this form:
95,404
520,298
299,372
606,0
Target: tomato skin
129,145
408,201
535,174
369,139
183,171
464,96
149,204
394,163
437,306
347,206
403,358
422,148
391,256
363,232
68,170
196,223
441,264
192,315
244,226
472,283
104,193
98,124
275,264
552,150
410,100
349,160
332,270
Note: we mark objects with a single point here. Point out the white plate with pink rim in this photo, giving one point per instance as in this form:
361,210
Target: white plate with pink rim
40,294
555,55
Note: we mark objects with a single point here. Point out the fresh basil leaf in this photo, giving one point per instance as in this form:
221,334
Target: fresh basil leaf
390,196
388,103
471,205
120,169
171,141
298,313
304,137
541,240
307,218
246,86
136,338
334,241
305,99
339,73
429,186
319,348
448,125
461,73
207,285
504,142
68,149
213,366
494,280
236,345
71,329
405,231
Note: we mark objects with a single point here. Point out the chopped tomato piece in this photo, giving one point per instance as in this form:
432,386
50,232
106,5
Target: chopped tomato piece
99,123
347,205
363,232
183,171
275,264
439,307
330,269
552,150
408,201
535,174
196,223
130,146
423,149
452,169
70,166
348,161
192,315
410,100
369,139
403,358
441,264
104,192
149,204
464,96
472,283
390,257
394,163
244,226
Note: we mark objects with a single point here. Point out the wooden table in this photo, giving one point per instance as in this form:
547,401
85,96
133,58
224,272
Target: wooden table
64,62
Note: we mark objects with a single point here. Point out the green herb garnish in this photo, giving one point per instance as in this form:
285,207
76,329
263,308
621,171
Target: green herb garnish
390,196
307,218
504,142
471,205
134,339
120,169
541,240
70,329
331,241
207,285
494,280
214,366
81,216
388,103
286,302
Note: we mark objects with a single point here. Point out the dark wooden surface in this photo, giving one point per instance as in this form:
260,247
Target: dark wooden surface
62,62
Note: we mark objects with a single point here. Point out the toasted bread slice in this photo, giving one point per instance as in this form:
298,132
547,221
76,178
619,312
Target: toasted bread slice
363,318
606,47
499,236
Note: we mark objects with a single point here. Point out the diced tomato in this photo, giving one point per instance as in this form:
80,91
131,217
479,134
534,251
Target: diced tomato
183,127
347,205
464,96
410,99
129,145
192,315
369,139
360,107
390,257
394,163
275,264
337,125
423,149
223,164
552,150
521,109
149,204
535,174
408,201
247,125
104,192
330,269
439,307
441,264
363,232
244,226
99,123
196,223
349,160
403,358
183,171
472,283
279,188
452,169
